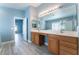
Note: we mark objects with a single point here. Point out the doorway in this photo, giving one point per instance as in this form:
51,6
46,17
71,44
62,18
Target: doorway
18,29
18,26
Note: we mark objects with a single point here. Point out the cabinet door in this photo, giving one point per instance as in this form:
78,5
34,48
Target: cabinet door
36,39
67,51
33,37
53,45
67,48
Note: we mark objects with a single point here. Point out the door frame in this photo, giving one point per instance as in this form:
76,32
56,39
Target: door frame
15,17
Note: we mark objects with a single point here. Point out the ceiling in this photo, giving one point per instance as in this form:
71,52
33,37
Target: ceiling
20,6
23,6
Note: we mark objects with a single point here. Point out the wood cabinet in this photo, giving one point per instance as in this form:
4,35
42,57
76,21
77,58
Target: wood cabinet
37,38
53,44
62,45
78,46
33,37
68,46
57,44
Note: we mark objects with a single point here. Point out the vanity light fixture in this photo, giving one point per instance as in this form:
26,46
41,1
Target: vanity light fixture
49,11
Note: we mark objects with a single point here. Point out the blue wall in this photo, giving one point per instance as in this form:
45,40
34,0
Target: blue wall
7,22
19,24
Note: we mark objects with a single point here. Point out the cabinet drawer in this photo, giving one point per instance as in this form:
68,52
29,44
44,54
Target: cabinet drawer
69,39
66,50
67,44
53,36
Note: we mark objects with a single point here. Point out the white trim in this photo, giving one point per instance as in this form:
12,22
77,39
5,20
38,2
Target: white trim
46,43
12,41
20,18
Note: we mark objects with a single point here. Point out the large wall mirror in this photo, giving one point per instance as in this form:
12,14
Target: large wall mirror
64,19
67,24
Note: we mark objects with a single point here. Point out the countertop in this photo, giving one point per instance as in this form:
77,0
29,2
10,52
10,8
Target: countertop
65,33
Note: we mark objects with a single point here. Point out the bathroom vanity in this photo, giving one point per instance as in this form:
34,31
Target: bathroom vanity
58,43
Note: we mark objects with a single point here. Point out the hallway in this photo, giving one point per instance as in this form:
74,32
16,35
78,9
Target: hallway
21,47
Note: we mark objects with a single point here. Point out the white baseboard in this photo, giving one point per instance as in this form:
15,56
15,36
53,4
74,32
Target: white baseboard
29,41
46,43
12,41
